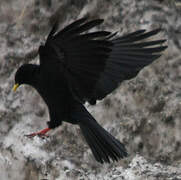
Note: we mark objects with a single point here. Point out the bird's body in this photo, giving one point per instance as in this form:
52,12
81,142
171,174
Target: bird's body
76,67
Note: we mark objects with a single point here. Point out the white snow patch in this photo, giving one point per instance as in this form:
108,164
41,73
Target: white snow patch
29,147
67,164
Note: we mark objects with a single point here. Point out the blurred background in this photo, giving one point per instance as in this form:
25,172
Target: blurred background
144,113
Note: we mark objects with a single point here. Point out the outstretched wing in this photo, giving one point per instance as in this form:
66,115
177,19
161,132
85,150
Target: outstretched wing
127,57
95,63
82,54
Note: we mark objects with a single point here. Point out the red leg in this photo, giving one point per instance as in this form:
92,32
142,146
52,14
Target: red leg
40,133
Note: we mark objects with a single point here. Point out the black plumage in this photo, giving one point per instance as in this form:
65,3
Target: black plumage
78,66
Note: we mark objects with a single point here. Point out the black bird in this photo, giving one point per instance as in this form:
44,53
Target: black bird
77,66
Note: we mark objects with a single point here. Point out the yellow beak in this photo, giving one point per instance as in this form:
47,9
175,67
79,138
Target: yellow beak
15,87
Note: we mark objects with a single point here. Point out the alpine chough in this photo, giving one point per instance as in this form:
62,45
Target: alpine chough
77,66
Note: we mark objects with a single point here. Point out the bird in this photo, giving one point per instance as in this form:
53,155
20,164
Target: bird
78,65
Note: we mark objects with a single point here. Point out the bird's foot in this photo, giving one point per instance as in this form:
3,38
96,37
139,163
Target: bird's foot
41,133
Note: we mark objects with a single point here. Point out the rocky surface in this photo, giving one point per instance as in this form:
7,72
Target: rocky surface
144,113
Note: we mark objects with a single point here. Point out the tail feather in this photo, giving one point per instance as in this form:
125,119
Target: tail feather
95,145
103,145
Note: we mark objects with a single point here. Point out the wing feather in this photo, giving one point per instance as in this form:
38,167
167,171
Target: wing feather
97,62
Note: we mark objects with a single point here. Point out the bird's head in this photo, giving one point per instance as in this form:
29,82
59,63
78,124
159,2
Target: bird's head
25,75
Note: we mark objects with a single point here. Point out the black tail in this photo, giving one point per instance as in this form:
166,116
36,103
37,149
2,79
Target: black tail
103,145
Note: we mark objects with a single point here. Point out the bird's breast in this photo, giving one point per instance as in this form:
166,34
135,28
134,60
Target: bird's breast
53,88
